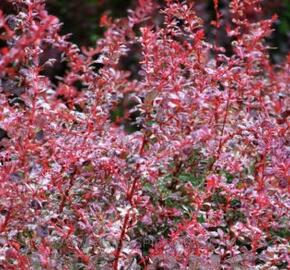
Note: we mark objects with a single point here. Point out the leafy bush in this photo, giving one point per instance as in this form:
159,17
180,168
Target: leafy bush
200,183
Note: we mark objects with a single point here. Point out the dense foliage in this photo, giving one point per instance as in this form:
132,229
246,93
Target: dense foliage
201,182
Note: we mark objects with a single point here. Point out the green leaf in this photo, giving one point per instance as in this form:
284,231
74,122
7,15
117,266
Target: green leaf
187,177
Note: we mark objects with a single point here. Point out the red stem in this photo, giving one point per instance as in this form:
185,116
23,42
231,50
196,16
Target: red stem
130,193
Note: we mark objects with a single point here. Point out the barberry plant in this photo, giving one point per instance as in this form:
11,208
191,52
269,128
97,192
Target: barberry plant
201,182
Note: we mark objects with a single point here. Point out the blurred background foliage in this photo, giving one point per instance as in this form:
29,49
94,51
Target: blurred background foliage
81,17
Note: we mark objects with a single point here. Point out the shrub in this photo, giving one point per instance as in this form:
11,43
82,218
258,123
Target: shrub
201,184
